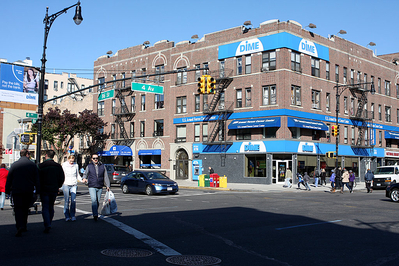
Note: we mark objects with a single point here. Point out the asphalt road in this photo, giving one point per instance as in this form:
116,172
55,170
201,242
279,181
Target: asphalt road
224,227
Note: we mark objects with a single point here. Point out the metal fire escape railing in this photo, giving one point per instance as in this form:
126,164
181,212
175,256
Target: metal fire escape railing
361,118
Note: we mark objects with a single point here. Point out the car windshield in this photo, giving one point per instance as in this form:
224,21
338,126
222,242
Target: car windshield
121,168
384,171
156,175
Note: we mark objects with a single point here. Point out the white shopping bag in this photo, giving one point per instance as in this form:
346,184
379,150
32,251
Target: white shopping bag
112,201
106,209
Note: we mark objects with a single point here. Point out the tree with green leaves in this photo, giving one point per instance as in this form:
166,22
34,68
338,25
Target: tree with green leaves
60,127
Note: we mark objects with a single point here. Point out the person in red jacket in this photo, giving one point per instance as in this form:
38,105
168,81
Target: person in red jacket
3,180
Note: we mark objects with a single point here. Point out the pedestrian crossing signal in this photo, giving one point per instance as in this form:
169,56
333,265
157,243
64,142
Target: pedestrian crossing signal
330,154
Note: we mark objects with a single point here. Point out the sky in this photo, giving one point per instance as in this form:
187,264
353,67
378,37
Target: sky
118,24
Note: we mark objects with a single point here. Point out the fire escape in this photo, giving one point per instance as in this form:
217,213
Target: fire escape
362,119
217,113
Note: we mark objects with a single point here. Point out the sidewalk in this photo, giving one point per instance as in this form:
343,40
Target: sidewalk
188,184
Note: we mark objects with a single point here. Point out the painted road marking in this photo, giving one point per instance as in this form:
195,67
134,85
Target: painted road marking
302,225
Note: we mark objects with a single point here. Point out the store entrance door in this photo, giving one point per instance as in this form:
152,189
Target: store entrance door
280,168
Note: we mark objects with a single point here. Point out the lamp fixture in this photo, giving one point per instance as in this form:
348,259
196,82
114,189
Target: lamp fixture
78,14
311,25
371,44
342,32
247,26
146,44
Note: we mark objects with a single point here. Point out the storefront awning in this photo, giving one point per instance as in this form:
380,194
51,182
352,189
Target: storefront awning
391,135
150,152
117,150
255,123
305,123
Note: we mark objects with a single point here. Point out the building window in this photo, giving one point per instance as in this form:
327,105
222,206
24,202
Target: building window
133,102
197,102
352,76
123,75
328,133
379,112
142,129
239,65
204,132
143,102
295,95
114,83
345,75
197,72
387,88
345,135
159,101
388,114
159,70
197,133
379,85
158,128
181,134
315,67
239,98
62,85
205,100
372,110
205,65
143,73
352,108
327,71
222,101
380,138
346,105
100,108
269,95
270,132
336,73
397,91
113,133
353,135
243,134
131,129
397,116
181,105
55,85
113,106
133,75
358,77
315,99
296,61
295,132
100,81
221,68
365,81
71,87
328,102
248,64
248,97
181,76
269,61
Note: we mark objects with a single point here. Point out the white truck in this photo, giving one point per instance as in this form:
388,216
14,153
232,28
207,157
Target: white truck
386,175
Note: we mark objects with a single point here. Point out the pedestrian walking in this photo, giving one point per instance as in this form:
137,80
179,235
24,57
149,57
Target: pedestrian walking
338,179
316,177
332,181
352,180
300,180
323,177
96,175
368,178
51,179
3,180
71,171
210,170
306,179
288,178
345,180
22,181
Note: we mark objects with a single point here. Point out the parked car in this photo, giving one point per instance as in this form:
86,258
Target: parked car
116,172
385,175
392,192
148,182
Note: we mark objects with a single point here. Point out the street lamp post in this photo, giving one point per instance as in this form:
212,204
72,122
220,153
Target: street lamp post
48,21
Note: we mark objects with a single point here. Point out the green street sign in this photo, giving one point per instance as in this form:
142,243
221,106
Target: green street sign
31,115
106,95
34,121
147,88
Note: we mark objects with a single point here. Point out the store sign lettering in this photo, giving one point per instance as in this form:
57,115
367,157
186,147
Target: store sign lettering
307,148
249,47
252,147
307,47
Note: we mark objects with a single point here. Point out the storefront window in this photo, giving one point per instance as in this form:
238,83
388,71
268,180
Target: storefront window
255,166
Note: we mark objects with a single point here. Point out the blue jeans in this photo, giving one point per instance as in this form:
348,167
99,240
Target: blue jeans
307,186
95,196
2,199
48,199
69,192
316,181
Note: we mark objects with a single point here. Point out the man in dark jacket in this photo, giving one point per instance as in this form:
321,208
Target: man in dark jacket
368,178
51,179
96,175
22,180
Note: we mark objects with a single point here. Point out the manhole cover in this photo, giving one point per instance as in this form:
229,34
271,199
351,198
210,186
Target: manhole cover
127,253
193,260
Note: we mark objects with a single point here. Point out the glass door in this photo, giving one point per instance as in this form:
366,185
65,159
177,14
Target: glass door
280,169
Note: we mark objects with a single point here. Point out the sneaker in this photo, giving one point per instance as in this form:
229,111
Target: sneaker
95,218
73,219
67,219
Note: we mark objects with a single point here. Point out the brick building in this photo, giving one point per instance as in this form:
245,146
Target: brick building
274,106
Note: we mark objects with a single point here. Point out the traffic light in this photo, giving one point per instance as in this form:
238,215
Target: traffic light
26,139
334,130
201,85
210,85
330,154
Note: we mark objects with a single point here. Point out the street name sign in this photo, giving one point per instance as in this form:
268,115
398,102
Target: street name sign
31,115
147,88
106,95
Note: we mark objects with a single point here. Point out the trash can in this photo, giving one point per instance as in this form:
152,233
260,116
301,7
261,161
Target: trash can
223,181
201,181
214,179
207,181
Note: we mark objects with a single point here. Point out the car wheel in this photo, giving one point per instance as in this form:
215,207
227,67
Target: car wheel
172,193
125,189
395,195
148,190
393,182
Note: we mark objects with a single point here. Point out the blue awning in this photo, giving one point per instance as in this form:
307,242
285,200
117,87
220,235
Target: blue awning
117,150
391,135
305,123
150,152
255,123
